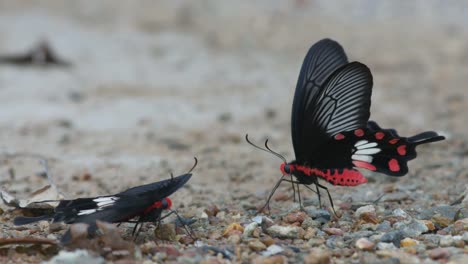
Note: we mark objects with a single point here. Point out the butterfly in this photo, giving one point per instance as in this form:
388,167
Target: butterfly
331,133
145,203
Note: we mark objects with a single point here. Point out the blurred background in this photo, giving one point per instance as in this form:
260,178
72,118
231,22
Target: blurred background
151,84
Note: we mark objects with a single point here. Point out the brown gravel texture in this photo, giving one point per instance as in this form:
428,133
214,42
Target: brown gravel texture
151,84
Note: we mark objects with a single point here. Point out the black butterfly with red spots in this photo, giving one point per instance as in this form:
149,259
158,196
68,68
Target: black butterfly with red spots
331,131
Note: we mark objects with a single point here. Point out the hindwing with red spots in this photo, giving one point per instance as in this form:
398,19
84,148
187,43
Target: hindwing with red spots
383,150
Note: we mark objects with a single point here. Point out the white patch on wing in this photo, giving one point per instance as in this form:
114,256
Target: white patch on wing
105,201
360,142
362,158
364,146
86,212
368,151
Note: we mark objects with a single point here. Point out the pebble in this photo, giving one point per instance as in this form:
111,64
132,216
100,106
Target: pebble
286,231
310,233
269,260
368,209
211,210
267,240
439,253
335,242
446,241
318,256
413,229
460,226
315,242
384,226
165,232
257,245
249,229
309,222
400,213
320,215
441,220
408,242
465,237
333,231
430,226
446,211
364,244
295,217
392,237
233,227
75,257
272,250
385,246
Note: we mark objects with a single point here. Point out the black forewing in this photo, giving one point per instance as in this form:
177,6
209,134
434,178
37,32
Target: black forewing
322,59
343,105
129,204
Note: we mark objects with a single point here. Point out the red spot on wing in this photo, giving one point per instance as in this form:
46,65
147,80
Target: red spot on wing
393,165
345,177
158,204
339,136
359,132
402,150
394,141
364,165
379,135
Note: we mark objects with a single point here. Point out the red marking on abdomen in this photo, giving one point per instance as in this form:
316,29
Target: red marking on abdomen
379,135
393,165
346,178
158,204
402,150
364,165
359,132
394,141
339,136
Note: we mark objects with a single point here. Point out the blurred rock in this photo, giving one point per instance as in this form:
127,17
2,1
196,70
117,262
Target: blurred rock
293,232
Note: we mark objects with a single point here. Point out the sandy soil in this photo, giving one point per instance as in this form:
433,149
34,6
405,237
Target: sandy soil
154,84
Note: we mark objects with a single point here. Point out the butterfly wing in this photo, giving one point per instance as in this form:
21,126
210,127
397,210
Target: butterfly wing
342,105
322,60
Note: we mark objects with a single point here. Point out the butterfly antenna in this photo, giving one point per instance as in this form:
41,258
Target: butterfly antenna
274,152
263,149
194,165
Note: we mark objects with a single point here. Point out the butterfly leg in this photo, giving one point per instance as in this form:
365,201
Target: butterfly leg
187,227
294,189
329,196
318,194
267,204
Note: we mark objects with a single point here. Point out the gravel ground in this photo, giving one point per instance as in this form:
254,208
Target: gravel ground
152,85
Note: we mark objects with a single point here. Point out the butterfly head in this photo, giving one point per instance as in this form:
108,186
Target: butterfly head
287,168
166,203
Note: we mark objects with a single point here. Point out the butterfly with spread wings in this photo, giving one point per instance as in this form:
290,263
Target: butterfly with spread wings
145,203
330,127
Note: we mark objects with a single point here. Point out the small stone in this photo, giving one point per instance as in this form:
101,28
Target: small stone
293,232
364,244
310,233
234,239
165,232
413,229
257,245
249,229
446,241
186,240
75,257
408,242
392,237
309,222
211,210
384,226
333,231
320,215
296,217
385,246
335,242
233,227
465,237
267,240
400,213
441,220
272,250
439,253
315,242
460,226
368,209
318,256
430,226
278,259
